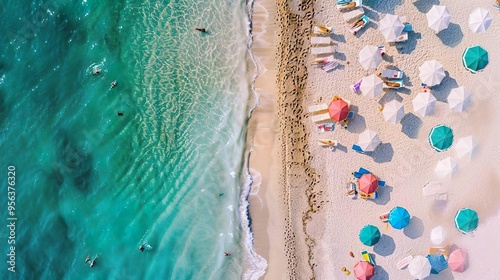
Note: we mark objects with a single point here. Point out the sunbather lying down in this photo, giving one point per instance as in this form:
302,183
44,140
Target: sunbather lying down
349,5
391,84
358,23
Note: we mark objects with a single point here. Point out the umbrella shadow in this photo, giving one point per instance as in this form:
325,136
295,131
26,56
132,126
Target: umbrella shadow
410,45
357,124
338,37
443,275
364,29
385,246
439,206
372,15
389,96
384,7
442,90
411,125
415,229
383,153
380,273
424,6
384,195
339,56
452,35
341,148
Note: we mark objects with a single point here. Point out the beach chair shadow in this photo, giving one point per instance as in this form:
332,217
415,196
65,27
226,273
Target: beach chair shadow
341,148
373,16
451,36
442,90
411,125
389,96
415,229
424,6
339,56
357,124
380,274
371,24
410,45
384,7
443,275
383,153
385,246
384,195
338,37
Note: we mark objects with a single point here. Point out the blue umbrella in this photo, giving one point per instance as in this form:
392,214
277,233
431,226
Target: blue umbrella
399,217
438,263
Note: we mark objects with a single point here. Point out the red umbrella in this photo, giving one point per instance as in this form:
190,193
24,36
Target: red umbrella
363,270
368,183
338,109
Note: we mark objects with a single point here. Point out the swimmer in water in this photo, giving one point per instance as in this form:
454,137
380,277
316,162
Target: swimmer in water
141,248
96,71
114,84
92,263
87,259
227,254
202,30
220,194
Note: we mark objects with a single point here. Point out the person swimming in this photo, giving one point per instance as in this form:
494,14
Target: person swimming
141,248
220,194
87,259
227,254
114,84
92,263
120,114
96,71
202,30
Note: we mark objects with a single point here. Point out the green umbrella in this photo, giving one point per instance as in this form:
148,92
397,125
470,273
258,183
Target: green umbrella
369,235
441,137
466,220
475,58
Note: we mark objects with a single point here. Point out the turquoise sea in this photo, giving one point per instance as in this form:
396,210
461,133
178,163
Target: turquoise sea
90,182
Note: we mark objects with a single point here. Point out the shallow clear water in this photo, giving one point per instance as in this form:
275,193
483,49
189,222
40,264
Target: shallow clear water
90,182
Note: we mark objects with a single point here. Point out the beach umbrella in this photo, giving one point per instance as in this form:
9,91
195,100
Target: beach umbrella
338,109
368,183
438,234
370,57
466,147
391,27
466,220
424,103
475,58
393,111
446,167
438,263
458,260
419,267
369,235
371,86
368,140
399,217
432,188
459,99
438,18
431,72
364,270
479,20
441,137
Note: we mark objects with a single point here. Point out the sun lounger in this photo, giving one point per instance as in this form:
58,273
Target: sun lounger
359,24
402,38
317,108
363,171
408,28
440,251
384,217
323,50
392,74
354,15
327,143
381,49
496,6
350,115
367,257
319,29
381,183
357,148
403,263
329,66
351,189
326,127
393,84
357,175
321,40
321,118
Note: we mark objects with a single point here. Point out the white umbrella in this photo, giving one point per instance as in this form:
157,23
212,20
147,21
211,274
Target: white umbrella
370,57
459,99
371,86
438,18
431,73
433,188
391,27
479,20
368,140
393,111
466,147
438,235
423,103
419,267
446,167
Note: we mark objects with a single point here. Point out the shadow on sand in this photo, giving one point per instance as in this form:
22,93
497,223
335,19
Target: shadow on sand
424,6
383,153
410,45
385,246
442,90
452,35
415,229
411,125
357,124
384,7
384,195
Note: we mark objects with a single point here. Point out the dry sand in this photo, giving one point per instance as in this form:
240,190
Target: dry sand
301,211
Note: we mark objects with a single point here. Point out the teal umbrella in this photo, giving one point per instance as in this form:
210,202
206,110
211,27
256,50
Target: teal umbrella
466,220
475,58
399,217
441,137
369,235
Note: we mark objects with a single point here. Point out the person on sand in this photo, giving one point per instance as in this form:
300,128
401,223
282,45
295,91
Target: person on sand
202,30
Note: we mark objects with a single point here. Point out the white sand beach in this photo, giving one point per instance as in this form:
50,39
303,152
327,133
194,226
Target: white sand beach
303,222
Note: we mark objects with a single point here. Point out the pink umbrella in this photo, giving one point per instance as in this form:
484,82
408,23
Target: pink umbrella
363,270
458,260
368,183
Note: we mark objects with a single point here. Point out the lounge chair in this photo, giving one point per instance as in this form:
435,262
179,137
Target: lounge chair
350,115
319,108
402,38
321,118
367,257
392,74
344,5
364,171
384,217
408,27
393,84
381,50
381,183
359,24
321,40
357,175
401,264
329,66
319,29
357,149
323,50
354,15
355,87
351,189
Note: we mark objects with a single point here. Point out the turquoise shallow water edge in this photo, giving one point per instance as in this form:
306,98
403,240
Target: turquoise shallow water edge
90,182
